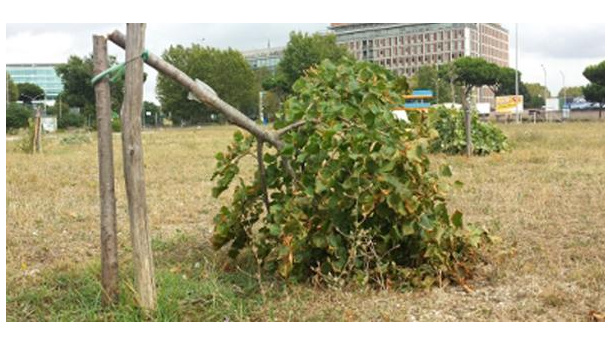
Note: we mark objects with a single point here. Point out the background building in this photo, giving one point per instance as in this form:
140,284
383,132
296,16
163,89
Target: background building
42,75
405,47
268,58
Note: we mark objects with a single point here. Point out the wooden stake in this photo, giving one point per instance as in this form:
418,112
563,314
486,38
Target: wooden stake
133,165
108,233
37,140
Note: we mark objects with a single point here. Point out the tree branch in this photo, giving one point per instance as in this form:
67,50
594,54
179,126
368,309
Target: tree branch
290,127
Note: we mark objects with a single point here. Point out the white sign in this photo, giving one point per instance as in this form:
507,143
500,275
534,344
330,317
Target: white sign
552,104
401,115
484,108
49,123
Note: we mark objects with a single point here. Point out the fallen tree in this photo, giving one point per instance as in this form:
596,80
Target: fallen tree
365,207
348,194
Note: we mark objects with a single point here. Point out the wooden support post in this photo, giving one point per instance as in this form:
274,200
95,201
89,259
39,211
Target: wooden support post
210,98
37,140
108,232
133,165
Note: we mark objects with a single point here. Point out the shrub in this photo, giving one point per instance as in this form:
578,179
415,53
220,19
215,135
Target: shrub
71,120
116,124
17,116
449,123
365,206
26,143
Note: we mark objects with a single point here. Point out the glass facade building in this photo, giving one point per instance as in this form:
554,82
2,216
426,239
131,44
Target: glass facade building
42,75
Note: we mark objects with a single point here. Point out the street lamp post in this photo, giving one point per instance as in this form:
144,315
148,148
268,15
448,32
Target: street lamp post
545,90
563,84
36,97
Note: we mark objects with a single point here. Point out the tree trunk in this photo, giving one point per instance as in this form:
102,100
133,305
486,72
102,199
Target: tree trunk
108,236
133,165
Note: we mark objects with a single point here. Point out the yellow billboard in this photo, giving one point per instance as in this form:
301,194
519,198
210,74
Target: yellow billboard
509,104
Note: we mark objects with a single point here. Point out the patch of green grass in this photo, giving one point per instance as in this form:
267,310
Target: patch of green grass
190,287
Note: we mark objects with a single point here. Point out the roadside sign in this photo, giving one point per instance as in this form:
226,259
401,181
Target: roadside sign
509,104
552,104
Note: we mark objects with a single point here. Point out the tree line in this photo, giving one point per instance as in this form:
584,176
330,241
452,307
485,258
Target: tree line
233,79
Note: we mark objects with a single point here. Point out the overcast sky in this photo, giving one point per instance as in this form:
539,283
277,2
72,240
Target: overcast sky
566,47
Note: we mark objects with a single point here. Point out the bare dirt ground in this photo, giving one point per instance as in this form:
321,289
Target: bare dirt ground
544,198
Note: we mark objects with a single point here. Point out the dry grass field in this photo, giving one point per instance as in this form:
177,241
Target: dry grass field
544,198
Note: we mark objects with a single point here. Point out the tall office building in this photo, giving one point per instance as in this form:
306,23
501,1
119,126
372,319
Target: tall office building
264,58
42,75
405,47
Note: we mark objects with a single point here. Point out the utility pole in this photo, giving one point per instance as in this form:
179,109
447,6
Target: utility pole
565,105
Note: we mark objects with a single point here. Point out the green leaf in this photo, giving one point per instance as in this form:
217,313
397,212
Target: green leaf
446,170
238,136
407,229
287,150
426,223
457,219
275,230
320,186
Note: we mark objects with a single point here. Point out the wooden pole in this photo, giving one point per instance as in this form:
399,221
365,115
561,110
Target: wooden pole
209,97
37,144
133,164
108,232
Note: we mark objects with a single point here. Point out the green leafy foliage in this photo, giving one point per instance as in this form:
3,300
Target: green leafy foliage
225,71
449,124
365,207
29,92
304,51
17,116
537,93
595,90
78,92
71,120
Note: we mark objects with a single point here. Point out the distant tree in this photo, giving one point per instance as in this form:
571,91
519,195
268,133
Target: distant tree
225,71
152,109
76,75
571,92
13,90
303,51
17,116
271,104
538,93
595,90
505,82
278,85
429,77
29,92
471,72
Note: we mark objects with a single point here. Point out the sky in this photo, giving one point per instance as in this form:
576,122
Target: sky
566,47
